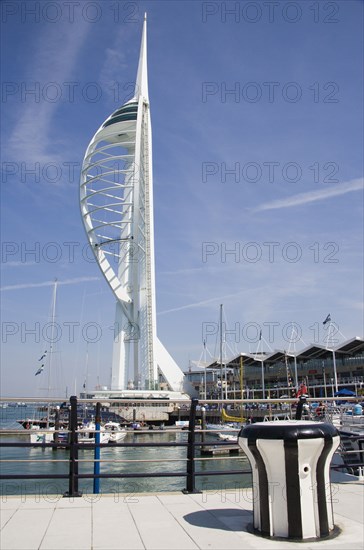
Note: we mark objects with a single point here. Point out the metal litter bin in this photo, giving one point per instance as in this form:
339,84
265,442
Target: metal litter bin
290,461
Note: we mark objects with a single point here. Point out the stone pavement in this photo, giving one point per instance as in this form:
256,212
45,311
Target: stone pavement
212,520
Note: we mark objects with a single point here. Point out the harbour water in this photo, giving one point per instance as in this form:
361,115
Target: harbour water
118,460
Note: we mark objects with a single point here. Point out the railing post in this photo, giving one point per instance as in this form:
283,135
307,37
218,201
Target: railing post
56,429
73,462
190,481
97,448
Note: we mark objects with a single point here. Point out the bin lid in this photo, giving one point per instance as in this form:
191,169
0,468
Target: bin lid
289,430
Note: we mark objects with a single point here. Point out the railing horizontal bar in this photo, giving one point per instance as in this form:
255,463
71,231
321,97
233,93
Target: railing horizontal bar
121,461
128,432
219,472
34,476
130,461
39,445
34,432
130,475
121,445
11,460
226,457
151,432
93,445
162,474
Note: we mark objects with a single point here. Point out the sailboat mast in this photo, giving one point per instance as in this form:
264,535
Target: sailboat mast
52,333
241,377
51,345
205,364
222,389
85,385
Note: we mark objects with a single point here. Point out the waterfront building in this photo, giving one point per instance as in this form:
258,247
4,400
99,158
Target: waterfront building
324,370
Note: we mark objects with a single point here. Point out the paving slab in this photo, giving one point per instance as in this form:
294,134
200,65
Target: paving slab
157,527
113,527
5,516
25,529
68,529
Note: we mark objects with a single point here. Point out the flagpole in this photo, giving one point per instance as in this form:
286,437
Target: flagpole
335,372
262,362
324,377
294,358
328,320
263,383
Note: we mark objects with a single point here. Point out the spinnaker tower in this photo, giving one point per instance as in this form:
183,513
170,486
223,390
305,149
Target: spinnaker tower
116,197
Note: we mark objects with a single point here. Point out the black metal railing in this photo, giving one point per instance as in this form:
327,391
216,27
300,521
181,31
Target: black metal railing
72,444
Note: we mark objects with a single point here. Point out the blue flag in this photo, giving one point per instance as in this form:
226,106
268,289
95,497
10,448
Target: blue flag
327,320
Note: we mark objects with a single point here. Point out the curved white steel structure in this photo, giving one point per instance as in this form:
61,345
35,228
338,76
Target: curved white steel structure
116,195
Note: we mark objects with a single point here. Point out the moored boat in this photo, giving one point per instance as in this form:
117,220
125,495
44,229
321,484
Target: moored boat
86,434
115,431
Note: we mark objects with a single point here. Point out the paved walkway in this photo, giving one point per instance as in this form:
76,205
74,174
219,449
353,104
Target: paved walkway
173,521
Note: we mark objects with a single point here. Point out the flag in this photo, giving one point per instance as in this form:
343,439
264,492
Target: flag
40,370
43,356
302,390
327,320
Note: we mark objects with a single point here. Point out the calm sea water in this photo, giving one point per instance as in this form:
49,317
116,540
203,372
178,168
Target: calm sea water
34,461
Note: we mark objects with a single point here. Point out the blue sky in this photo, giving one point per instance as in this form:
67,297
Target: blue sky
257,144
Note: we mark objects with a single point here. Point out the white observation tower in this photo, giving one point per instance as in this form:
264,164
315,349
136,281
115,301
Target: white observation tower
116,195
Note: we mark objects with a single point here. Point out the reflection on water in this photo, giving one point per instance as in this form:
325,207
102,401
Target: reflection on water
118,460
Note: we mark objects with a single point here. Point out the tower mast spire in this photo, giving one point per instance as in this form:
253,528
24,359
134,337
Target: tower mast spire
141,84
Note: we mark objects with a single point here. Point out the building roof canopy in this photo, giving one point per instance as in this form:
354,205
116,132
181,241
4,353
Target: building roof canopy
354,346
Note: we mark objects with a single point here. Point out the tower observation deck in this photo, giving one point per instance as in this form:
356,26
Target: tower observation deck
116,197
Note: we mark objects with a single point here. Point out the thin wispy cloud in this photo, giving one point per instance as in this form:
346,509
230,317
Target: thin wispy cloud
217,299
54,61
115,62
313,196
17,263
75,281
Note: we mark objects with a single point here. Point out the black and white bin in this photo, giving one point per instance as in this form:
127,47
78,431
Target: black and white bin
290,462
